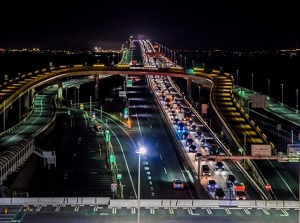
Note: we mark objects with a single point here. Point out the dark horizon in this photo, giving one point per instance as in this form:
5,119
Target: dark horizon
236,26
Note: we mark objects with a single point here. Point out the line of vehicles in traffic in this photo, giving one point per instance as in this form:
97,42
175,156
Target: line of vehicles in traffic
197,141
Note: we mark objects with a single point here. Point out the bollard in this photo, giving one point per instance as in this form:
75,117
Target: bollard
5,210
28,208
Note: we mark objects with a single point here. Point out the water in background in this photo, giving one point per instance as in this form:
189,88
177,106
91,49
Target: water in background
269,69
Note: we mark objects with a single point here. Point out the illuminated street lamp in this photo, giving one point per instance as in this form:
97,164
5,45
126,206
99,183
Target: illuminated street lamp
140,151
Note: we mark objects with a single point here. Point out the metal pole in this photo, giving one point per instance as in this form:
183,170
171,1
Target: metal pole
269,87
292,136
296,100
245,138
252,82
237,77
180,60
90,105
203,65
139,189
78,97
199,87
193,64
4,116
185,63
281,94
101,113
174,59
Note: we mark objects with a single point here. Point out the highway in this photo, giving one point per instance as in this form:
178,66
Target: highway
162,164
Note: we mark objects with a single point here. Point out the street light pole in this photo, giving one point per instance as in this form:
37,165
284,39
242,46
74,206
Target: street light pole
90,105
199,93
252,82
140,151
174,58
296,100
237,77
269,82
180,60
193,64
281,94
185,63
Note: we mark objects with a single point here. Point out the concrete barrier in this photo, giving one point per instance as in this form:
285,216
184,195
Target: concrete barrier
5,201
151,203
102,200
87,200
57,200
184,203
166,203
291,204
260,203
25,201
228,203
71,201
274,203
206,203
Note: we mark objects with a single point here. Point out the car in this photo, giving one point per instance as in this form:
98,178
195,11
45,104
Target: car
219,193
205,170
198,156
189,122
185,135
192,148
181,127
219,166
189,142
193,128
175,121
212,185
178,184
230,180
198,134
215,150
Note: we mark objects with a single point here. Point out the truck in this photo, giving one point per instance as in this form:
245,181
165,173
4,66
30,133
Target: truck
240,191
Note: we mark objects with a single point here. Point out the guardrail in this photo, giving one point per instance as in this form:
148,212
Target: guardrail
145,203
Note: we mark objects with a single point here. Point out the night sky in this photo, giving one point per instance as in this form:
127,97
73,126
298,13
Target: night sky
189,25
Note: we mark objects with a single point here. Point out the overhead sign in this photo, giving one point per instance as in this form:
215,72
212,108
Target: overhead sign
122,93
129,83
204,108
259,101
261,150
